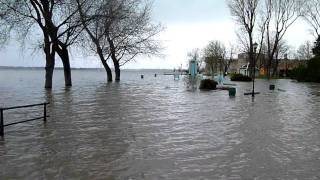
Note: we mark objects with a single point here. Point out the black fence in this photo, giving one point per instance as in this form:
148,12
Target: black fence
2,125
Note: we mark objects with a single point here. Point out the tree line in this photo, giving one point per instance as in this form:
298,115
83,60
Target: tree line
311,71
115,30
216,57
264,22
267,21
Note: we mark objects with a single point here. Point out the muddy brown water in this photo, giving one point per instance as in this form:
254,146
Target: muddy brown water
155,128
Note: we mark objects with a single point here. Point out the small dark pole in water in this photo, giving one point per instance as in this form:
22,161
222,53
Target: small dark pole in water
255,46
155,75
142,76
1,123
45,112
286,59
272,87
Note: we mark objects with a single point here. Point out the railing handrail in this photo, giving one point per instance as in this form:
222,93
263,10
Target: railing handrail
24,106
2,125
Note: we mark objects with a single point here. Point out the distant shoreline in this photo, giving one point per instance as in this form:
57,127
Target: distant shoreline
61,68
42,68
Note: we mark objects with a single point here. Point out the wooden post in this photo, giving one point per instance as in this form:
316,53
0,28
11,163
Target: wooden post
45,112
1,123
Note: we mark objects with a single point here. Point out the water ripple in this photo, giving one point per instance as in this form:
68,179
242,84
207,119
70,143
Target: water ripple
156,129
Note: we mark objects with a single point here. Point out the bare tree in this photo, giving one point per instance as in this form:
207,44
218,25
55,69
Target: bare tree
194,54
304,51
54,18
259,39
245,14
280,16
242,40
214,55
130,32
69,30
311,13
22,17
121,29
94,19
283,49
229,58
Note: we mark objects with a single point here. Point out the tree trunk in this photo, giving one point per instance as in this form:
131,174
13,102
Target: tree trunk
269,67
96,42
49,73
50,62
105,64
114,58
251,58
108,70
117,70
275,68
64,56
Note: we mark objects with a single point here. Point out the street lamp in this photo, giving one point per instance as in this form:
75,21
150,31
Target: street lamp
286,59
220,79
255,46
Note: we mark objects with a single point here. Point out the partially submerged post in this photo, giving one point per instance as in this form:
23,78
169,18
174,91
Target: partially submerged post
272,87
45,112
1,123
232,92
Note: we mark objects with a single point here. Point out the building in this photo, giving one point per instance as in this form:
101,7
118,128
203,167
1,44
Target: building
245,70
242,65
286,66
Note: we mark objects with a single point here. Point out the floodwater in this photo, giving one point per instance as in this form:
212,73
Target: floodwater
155,128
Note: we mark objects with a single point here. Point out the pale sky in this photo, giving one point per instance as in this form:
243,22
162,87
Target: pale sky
188,24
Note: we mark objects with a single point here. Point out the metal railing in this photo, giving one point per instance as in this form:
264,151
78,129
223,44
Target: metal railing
2,125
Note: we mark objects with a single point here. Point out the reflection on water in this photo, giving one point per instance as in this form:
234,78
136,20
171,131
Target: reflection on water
156,129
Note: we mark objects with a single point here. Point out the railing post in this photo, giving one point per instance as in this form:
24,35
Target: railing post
1,123
45,112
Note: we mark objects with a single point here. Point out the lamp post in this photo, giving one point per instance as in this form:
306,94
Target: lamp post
286,59
255,46
220,70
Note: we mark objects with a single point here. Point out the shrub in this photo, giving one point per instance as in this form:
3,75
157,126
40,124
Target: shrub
309,73
299,73
316,48
208,84
313,74
240,77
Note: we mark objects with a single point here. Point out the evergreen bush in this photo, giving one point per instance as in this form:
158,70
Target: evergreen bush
208,84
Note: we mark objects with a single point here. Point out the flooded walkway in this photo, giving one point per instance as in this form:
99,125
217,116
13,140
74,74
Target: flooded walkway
155,129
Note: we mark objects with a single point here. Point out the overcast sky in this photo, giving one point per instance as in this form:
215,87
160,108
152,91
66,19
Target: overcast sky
188,24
